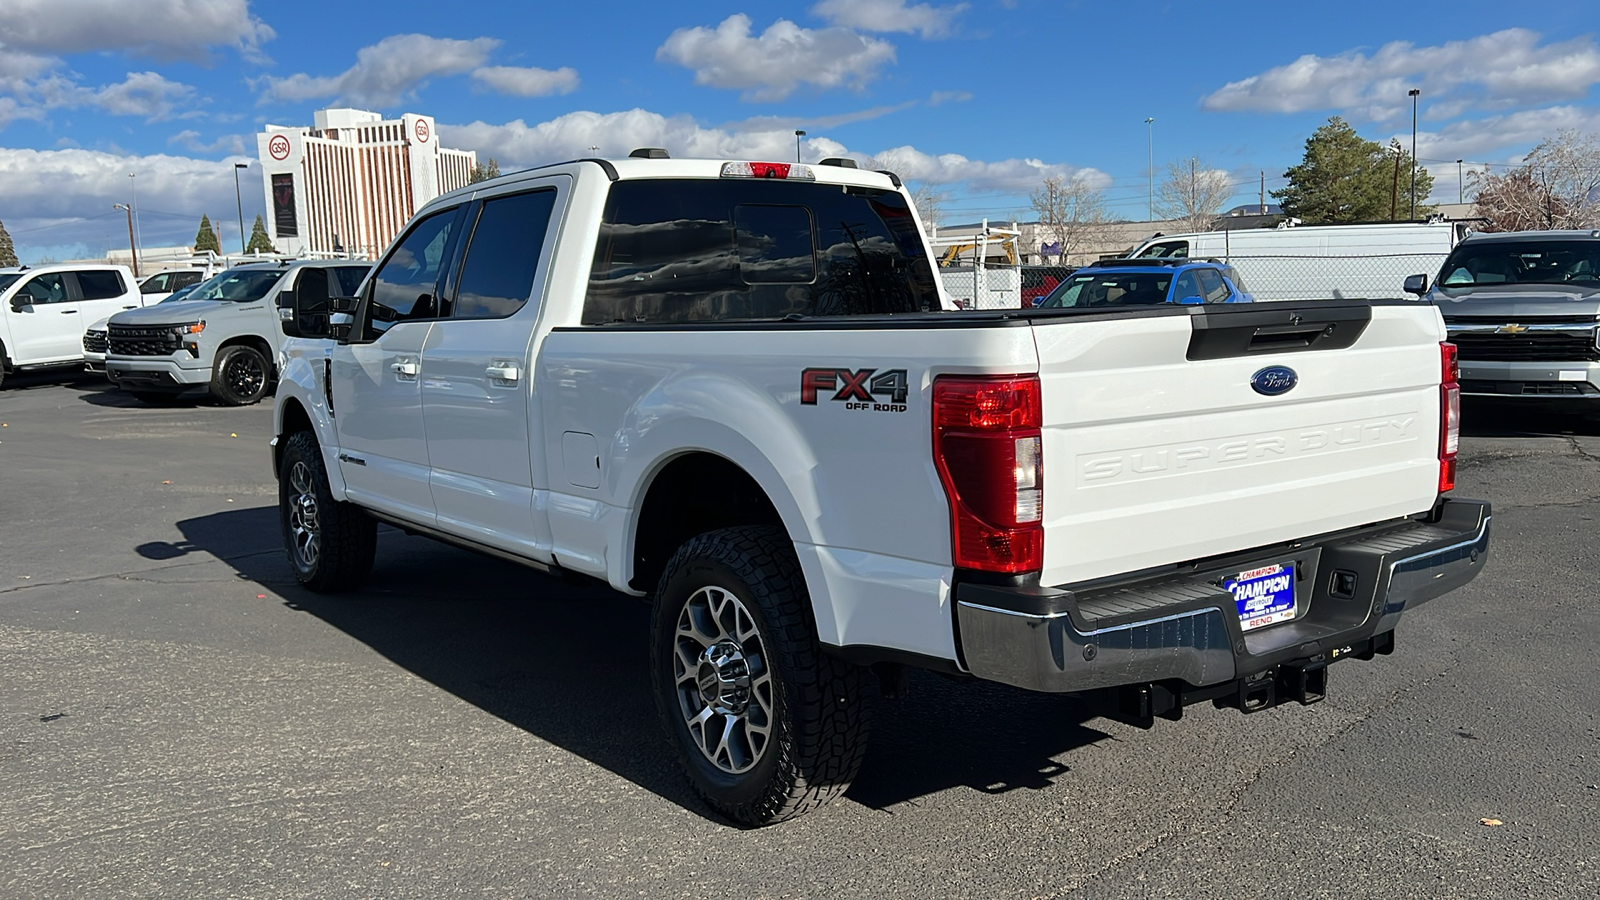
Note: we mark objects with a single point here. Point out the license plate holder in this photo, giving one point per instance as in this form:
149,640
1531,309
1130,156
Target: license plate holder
1264,595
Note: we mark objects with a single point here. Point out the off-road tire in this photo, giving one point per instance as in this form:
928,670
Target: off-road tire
821,711
347,538
240,376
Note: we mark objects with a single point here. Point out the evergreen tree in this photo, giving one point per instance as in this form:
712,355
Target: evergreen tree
1347,178
206,238
259,242
484,171
8,253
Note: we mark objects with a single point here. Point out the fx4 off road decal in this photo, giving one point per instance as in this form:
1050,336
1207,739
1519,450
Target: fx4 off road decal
867,389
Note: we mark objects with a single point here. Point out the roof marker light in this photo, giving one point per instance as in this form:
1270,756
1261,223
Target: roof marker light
785,171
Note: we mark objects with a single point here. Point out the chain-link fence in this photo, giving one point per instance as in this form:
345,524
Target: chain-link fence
1371,277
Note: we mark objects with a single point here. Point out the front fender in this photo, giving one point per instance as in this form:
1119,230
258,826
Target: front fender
301,401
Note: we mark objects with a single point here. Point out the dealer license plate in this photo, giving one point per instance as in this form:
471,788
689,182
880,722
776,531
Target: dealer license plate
1265,596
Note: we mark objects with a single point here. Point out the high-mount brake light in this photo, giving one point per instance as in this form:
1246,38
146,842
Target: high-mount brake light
785,171
1449,415
988,448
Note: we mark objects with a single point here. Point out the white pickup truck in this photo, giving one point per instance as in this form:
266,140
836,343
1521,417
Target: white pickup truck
733,387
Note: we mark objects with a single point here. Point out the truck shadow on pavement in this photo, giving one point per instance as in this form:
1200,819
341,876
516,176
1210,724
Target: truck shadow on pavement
569,663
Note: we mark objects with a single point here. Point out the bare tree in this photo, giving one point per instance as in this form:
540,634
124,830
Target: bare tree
1191,194
929,204
1557,186
1073,212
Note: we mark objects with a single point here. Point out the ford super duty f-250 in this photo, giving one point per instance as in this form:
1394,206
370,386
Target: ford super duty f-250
733,387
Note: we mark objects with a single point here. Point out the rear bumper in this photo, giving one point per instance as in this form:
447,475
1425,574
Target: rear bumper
1352,588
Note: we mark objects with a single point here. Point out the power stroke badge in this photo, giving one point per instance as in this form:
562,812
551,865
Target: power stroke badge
865,389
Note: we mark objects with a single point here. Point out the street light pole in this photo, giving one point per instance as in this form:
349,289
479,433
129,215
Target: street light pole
133,185
1461,192
131,251
798,134
1413,93
239,202
1150,173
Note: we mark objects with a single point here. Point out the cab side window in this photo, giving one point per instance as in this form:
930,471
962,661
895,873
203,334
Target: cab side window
50,287
503,255
406,285
155,284
183,280
101,284
1169,250
1188,287
1216,290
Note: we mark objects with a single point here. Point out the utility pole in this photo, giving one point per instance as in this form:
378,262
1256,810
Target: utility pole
239,202
134,212
1414,93
1150,185
1394,190
131,251
1263,207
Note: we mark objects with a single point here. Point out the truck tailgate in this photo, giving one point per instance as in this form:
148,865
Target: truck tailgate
1153,457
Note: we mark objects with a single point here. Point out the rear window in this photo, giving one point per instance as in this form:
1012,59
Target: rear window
696,250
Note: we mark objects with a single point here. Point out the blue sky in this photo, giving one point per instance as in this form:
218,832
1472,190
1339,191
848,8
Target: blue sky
979,100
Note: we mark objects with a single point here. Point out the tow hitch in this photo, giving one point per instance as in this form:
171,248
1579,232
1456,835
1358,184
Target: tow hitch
1305,681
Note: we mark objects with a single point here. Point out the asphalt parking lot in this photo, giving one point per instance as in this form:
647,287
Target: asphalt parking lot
178,719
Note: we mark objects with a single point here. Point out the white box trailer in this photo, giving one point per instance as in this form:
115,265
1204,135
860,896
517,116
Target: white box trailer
1319,262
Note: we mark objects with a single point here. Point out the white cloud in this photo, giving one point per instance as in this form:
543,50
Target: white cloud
146,94
166,29
890,15
57,196
518,144
1497,69
938,97
149,95
527,82
386,72
773,65
189,139
1487,139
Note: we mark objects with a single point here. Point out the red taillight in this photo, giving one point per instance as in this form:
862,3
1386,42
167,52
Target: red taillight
988,448
1449,415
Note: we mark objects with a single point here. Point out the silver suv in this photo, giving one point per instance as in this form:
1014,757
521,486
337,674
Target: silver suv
224,335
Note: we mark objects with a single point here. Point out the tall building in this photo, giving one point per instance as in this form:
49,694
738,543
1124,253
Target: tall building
350,182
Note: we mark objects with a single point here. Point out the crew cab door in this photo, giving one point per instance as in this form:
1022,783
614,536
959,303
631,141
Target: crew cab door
477,380
377,388
45,324
102,293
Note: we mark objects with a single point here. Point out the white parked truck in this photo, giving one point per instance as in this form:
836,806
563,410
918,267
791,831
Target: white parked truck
732,387
1308,262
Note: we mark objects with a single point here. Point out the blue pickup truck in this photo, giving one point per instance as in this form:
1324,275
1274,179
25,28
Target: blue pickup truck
1130,282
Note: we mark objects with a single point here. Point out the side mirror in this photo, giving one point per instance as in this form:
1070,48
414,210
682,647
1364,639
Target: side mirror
1416,284
19,303
339,325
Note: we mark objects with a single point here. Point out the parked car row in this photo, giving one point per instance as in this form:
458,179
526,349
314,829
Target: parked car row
172,333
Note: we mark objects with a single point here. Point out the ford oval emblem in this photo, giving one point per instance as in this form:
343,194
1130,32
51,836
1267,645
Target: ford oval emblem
1274,380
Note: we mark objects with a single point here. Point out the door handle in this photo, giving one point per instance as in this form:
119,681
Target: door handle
504,371
405,368
130,307
69,312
